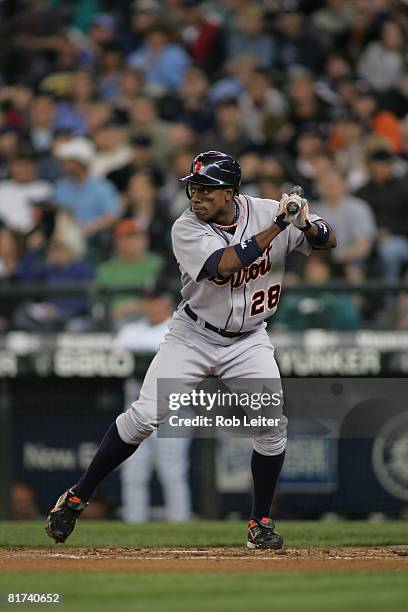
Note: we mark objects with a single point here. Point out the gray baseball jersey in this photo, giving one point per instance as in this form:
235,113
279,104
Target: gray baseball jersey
243,301
191,352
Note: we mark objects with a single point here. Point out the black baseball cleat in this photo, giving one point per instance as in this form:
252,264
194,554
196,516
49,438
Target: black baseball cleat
62,518
262,534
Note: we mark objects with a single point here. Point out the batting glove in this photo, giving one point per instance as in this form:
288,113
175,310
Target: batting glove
302,220
284,218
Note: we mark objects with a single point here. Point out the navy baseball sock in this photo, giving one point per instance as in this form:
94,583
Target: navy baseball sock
112,452
265,473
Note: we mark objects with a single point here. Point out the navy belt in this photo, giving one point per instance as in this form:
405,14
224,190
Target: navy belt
217,330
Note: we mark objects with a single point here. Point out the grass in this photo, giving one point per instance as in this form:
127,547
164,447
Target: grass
280,592
208,533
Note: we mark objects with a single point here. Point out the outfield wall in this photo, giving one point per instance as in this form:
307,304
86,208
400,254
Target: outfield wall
59,393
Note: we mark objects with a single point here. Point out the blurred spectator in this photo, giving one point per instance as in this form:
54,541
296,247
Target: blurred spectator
297,43
352,220
179,136
348,140
140,158
305,105
62,263
173,194
66,49
317,310
251,163
332,19
9,143
202,36
376,119
131,84
396,98
363,28
41,122
192,106
228,134
23,505
11,249
97,114
382,62
262,106
310,143
101,35
162,61
345,88
144,121
112,149
144,16
337,70
169,456
72,114
33,32
93,201
272,179
19,194
133,265
109,68
48,166
323,161
142,204
387,195
237,75
405,134
246,36
14,101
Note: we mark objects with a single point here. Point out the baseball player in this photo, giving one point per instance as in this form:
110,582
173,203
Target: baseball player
231,250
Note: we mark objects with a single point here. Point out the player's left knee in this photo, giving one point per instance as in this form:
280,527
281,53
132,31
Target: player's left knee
272,441
270,447
132,429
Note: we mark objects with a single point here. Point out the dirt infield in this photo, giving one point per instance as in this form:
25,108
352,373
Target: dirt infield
202,560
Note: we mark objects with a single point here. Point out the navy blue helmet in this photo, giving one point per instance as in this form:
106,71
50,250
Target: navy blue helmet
214,169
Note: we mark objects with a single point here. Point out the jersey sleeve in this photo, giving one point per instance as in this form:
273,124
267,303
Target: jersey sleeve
192,246
297,240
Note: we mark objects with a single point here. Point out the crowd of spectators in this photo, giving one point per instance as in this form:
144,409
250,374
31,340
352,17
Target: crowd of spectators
103,105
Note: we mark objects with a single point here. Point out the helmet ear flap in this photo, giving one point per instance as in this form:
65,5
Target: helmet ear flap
188,190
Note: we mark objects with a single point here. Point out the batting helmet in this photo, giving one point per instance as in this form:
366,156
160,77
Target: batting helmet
214,169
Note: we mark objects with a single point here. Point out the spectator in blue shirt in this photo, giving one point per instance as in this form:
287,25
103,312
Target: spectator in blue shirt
246,36
93,201
60,263
162,61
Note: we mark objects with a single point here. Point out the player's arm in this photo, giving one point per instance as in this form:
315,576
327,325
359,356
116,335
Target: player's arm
320,235
318,232
234,258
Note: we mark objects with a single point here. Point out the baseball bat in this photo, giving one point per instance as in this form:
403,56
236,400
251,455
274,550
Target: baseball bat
294,207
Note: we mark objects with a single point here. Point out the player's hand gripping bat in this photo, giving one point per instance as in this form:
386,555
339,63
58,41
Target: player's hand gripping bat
293,208
293,205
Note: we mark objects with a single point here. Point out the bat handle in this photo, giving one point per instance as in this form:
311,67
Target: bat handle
293,207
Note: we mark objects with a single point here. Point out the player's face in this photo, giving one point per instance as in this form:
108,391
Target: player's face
212,203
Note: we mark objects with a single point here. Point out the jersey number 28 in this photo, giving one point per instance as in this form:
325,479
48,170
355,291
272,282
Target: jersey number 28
264,299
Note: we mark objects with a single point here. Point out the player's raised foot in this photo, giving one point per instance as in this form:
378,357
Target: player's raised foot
62,518
262,534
